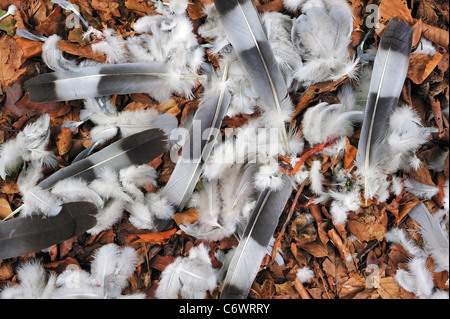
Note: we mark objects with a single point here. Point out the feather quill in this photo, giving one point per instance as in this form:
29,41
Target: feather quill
246,33
100,80
208,119
21,236
245,263
388,76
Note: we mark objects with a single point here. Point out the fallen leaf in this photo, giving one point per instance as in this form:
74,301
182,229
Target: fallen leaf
195,8
151,237
81,51
389,289
54,23
368,223
350,155
352,286
432,33
140,6
5,208
161,262
389,9
7,24
6,271
11,60
421,66
316,248
30,48
423,176
64,140
187,217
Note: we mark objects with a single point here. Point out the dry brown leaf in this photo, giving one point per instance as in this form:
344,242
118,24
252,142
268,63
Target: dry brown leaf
64,141
30,48
151,237
316,248
6,271
11,60
107,7
350,155
368,223
275,5
352,286
423,176
432,33
421,66
54,23
81,51
5,208
140,6
187,217
195,8
389,9
389,289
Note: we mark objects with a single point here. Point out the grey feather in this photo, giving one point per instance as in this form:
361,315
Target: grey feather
138,149
94,81
246,34
21,236
252,247
435,238
388,76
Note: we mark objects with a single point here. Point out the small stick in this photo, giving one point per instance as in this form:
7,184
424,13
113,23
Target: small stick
311,152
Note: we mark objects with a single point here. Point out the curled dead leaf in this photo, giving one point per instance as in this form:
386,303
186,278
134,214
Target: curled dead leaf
187,217
421,66
151,237
64,141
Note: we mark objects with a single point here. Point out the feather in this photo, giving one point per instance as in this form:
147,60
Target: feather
190,277
388,76
434,237
74,190
11,12
66,5
252,247
108,215
21,236
419,189
53,56
34,283
305,274
245,31
93,81
30,36
137,149
197,148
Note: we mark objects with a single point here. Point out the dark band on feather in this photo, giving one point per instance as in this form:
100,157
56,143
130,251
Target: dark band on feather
137,149
268,209
233,292
21,236
397,37
226,6
42,88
